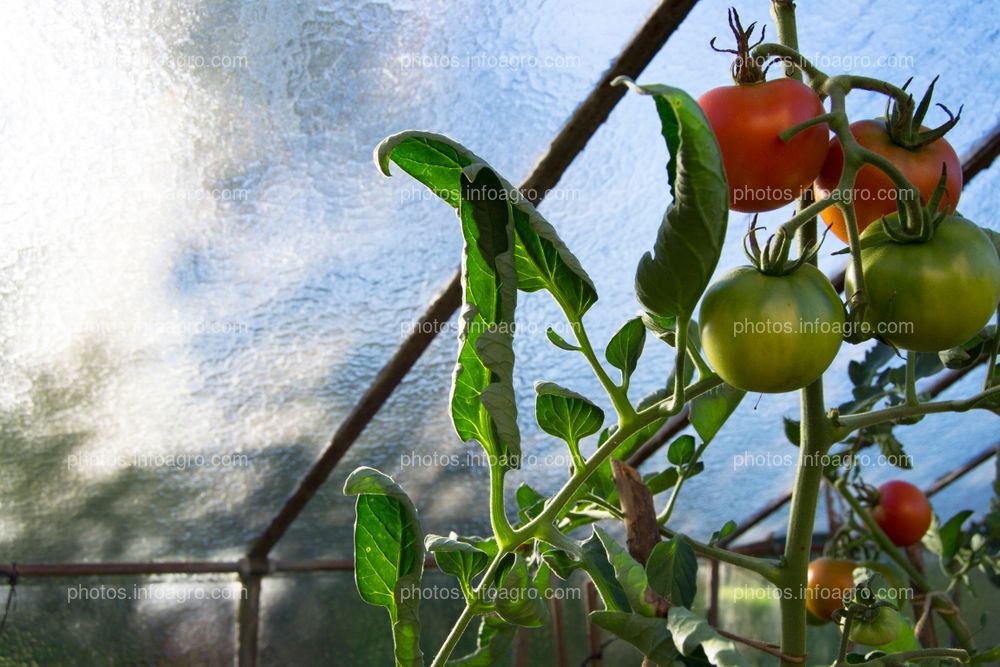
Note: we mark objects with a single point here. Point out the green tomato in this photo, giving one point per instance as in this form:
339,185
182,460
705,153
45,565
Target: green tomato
771,334
882,630
931,296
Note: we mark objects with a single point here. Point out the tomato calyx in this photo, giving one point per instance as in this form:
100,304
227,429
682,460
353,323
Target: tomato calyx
904,120
772,259
746,70
900,229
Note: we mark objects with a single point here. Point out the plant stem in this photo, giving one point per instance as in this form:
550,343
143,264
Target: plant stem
991,358
845,637
663,517
765,647
498,511
814,441
618,395
920,654
704,370
911,378
467,614
814,437
919,580
845,424
783,13
792,57
682,345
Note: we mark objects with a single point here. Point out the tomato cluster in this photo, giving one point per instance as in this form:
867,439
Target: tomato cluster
779,332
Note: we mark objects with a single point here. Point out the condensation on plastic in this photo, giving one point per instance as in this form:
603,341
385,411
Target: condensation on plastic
200,259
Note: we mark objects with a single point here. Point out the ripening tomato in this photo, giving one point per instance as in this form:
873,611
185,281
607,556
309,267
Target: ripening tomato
874,193
929,296
883,629
830,585
764,172
771,334
903,512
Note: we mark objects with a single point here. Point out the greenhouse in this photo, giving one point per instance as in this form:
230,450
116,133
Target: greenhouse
500,333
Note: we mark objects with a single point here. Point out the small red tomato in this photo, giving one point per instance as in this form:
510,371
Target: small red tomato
830,585
764,172
903,512
874,193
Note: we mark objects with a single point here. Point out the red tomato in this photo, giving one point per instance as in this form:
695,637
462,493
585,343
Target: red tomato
764,172
903,512
874,194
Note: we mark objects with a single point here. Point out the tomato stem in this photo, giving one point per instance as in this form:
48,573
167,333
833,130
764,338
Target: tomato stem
787,135
814,438
911,378
846,424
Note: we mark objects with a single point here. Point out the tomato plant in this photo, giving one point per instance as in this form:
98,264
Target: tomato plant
903,512
917,264
909,285
764,171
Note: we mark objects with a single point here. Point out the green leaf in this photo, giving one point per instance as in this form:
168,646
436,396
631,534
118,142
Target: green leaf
681,450
629,572
457,558
388,556
726,530
566,414
889,444
664,328
517,600
662,481
670,280
968,353
625,347
594,560
793,430
711,410
483,406
649,635
493,644
529,502
542,259
559,341
951,534
559,562
672,571
690,631
864,372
